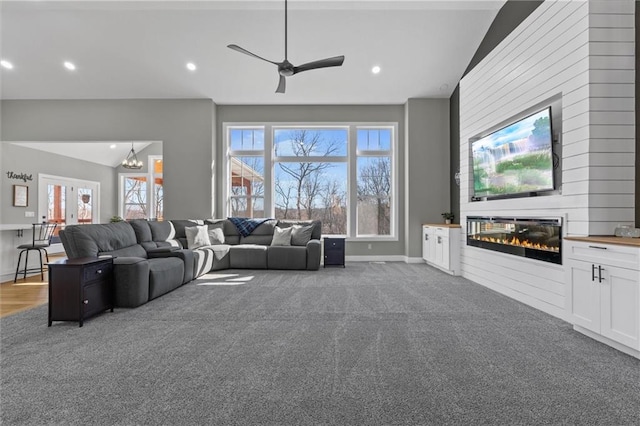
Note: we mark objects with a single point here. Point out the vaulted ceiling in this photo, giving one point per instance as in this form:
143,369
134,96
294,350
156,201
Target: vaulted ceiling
140,49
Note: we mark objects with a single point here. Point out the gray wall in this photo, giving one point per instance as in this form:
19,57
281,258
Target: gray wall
30,161
185,126
427,174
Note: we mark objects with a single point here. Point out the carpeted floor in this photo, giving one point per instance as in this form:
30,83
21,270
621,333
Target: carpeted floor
371,344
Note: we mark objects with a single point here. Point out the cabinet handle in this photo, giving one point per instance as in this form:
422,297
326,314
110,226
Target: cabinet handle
86,302
439,240
426,237
593,272
598,247
99,271
600,269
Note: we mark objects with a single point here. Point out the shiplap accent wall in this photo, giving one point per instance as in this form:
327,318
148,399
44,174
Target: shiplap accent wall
577,56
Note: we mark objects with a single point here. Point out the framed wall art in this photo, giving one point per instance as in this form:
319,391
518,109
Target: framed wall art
20,195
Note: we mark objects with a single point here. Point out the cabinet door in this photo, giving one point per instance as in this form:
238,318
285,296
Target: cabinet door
583,295
620,305
429,244
439,255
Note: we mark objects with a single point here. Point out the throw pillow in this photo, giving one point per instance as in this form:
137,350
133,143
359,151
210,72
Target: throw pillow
300,235
216,236
197,236
281,236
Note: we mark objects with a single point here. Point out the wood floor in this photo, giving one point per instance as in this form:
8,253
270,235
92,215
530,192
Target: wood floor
24,294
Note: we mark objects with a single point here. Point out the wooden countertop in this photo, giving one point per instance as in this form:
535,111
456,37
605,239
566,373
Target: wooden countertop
608,239
443,225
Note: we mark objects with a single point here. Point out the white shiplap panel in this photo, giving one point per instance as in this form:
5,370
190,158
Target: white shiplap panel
612,104
611,159
613,89
612,62
607,48
609,200
612,20
611,6
626,187
612,34
612,145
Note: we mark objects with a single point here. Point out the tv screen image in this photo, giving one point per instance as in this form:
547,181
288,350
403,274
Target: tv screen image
516,159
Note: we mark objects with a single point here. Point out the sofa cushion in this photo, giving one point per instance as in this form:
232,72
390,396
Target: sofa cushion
216,233
165,274
300,235
248,256
247,225
211,258
283,257
316,233
118,239
197,236
281,236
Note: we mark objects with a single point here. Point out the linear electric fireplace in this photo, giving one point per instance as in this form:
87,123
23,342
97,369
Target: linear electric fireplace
534,238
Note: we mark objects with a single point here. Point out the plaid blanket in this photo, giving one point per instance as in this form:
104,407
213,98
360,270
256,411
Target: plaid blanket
246,225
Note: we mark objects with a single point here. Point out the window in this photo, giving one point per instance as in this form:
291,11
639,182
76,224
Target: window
340,174
142,194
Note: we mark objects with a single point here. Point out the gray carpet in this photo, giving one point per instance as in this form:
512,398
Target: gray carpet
372,344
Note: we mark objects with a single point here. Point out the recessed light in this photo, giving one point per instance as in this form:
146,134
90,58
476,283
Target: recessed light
69,65
375,70
6,64
113,146
191,66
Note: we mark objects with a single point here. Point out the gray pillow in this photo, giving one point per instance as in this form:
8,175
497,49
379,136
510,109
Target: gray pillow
300,235
281,236
216,235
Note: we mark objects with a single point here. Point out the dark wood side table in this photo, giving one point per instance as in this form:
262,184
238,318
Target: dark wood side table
334,251
80,288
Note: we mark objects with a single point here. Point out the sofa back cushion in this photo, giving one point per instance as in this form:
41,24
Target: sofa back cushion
263,234
231,234
116,239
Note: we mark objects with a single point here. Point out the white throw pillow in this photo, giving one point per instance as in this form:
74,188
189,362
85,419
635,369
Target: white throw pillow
281,236
197,236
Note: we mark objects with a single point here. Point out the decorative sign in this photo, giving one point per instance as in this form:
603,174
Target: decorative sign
20,176
20,195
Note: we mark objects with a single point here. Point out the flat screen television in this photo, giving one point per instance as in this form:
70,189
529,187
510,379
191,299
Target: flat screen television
515,160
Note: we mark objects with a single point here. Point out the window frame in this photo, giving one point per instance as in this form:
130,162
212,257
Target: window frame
270,161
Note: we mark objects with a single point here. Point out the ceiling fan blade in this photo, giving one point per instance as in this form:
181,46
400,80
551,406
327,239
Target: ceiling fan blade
246,52
282,84
336,61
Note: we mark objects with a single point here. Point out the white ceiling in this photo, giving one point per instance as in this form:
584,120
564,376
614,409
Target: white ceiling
106,153
139,49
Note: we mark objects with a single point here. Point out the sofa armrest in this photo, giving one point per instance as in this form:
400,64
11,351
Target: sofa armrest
313,255
185,255
130,281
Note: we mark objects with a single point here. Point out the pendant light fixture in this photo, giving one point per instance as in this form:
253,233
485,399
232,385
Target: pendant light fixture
132,162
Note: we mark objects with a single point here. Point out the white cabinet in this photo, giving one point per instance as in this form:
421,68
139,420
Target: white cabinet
603,292
441,247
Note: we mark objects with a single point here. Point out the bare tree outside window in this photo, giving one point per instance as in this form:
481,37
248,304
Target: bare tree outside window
302,186
374,196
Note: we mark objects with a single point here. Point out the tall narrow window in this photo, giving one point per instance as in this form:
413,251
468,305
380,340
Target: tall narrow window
374,179
246,173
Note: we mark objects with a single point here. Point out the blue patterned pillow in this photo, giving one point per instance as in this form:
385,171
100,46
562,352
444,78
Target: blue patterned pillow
246,225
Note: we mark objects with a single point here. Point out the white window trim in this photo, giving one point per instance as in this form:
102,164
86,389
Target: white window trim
352,154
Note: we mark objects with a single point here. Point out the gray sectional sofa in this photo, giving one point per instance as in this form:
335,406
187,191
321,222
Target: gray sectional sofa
152,258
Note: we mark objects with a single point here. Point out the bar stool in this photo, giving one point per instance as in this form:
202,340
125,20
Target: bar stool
41,239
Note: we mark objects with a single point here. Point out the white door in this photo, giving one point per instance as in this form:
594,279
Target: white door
68,201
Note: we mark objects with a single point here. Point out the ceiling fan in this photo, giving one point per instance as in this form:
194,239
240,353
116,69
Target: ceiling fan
286,68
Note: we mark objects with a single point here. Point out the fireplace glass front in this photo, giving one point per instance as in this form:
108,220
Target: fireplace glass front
533,238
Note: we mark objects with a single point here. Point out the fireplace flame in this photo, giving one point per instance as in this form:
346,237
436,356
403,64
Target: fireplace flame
515,241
